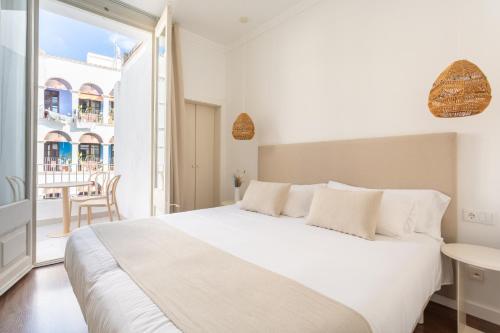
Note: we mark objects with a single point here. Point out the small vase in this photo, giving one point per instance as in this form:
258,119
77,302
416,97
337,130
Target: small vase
237,194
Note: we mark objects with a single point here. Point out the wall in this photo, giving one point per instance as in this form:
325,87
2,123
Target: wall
204,73
76,73
132,134
359,68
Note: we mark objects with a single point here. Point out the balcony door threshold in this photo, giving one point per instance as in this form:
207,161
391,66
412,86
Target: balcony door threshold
48,262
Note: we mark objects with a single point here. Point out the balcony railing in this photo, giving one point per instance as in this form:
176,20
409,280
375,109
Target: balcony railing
90,115
56,164
53,116
55,173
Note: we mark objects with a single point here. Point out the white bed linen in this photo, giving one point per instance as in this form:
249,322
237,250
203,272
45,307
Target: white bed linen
388,281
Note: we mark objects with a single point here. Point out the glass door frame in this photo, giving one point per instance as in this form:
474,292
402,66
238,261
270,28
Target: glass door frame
110,9
31,120
160,196
19,213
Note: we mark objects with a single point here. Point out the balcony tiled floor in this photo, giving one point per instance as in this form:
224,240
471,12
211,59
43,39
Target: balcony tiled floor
49,248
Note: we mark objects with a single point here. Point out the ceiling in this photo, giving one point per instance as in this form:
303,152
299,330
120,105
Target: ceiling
218,20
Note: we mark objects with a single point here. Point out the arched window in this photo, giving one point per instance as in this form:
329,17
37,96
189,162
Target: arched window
90,103
90,150
57,151
57,97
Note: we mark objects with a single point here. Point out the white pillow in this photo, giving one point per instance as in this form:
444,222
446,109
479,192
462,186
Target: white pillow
424,216
430,207
264,197
350,212
395,211
299,200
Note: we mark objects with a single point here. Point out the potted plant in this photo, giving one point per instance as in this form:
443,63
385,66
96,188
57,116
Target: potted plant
238,180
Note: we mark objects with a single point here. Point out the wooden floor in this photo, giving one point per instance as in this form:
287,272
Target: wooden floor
43,301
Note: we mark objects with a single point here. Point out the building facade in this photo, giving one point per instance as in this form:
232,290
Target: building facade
75,116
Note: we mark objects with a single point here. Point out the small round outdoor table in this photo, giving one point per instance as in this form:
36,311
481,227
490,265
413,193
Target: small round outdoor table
65,203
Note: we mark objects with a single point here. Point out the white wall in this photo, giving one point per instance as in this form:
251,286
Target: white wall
133,134
361,68
204,73
76,73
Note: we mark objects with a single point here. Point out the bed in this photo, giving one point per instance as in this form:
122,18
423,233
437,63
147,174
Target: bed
387,281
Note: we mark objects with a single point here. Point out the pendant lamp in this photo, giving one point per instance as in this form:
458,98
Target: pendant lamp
461,90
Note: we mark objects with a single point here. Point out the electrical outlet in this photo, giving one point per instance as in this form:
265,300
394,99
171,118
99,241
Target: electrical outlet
474,216
476,273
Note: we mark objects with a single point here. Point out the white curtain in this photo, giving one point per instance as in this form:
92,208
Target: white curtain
177,109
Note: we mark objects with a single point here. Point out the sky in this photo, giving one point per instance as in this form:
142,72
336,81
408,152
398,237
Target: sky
68,38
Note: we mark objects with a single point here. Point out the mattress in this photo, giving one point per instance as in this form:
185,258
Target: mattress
388,281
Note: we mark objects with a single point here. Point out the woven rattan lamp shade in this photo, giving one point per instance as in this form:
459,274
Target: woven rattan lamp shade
460,90
243,127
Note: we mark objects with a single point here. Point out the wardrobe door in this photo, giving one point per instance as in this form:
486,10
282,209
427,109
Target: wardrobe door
205,151
188,151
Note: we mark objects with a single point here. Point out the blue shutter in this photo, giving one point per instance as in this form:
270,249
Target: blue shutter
65,101
65,149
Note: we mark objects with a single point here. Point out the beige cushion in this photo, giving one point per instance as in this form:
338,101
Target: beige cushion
351,212
299,200
264,197
396,211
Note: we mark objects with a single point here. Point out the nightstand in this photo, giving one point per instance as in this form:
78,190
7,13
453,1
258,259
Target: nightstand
479,256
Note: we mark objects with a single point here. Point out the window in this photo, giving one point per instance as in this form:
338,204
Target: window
90,152
58,101
51,156
51,100
111,155
90,110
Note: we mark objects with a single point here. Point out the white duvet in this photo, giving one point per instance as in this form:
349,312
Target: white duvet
388,281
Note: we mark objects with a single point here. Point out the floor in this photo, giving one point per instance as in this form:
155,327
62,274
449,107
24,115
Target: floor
44,302
51,248
41,302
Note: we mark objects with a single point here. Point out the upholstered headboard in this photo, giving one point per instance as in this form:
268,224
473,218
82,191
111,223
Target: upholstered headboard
418,161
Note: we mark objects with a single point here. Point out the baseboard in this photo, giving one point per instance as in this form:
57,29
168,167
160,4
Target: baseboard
477,310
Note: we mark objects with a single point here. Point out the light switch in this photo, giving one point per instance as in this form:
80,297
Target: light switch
481,217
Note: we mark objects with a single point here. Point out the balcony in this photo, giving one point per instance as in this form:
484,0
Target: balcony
55,170
49,202
52,116
89,115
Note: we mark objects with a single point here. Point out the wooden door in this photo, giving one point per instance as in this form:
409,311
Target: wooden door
205,152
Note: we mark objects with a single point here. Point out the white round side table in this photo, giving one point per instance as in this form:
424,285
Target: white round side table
479,256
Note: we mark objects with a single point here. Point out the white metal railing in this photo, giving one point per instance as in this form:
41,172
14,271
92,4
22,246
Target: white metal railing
51,115
51,172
